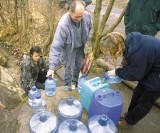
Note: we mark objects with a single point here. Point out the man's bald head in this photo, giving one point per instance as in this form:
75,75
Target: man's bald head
77,10
77,5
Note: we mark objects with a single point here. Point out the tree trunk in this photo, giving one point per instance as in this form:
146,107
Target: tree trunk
51,18
101,28
96,19
98,31
4,21
115,24
24,22
16,14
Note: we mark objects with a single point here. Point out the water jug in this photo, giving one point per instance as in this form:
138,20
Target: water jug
72,126
38,104
43,122
81,80
50,86
101,124
33,92
89,88
112,79
69,108
108,102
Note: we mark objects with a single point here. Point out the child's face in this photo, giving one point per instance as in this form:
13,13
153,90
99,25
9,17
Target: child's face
35,56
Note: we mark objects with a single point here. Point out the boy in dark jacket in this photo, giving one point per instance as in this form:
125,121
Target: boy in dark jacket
142,63
142,16
33,70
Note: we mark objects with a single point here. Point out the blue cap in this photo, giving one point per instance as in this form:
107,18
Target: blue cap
70,100
38,96
103,120
73,125
50,78
106,76
34,88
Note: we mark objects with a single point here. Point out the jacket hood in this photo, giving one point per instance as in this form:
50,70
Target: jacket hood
132,43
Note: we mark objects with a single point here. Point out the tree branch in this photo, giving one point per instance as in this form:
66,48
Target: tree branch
115,24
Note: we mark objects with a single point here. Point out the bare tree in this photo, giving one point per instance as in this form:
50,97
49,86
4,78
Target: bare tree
16,14
99,25
51,25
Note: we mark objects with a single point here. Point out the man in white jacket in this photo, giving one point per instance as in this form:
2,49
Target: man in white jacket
69,40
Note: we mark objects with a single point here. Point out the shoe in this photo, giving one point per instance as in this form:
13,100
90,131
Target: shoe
123,124
70,89
73,85
67,88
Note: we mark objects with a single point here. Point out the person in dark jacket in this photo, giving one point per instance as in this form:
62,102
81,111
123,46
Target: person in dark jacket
33,70
142,16
141,54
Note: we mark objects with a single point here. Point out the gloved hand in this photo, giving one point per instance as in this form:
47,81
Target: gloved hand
111,72
50,73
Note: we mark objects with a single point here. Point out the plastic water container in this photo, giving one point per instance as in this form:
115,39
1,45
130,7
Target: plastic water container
72,126
108,102
38,104
88,90
33,92
43,122
112,79
50,86
101,124
81,80
69,108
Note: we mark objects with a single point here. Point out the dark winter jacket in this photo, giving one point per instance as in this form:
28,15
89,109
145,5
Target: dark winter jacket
142,53
142,16
30,71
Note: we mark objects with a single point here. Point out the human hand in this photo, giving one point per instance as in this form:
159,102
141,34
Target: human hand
50,73
111,72
119,67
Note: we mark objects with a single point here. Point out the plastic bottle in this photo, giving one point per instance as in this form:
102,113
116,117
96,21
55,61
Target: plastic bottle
38,104
72,126
33,92
112,79
69,108
50,86
43,122
101,124
81,80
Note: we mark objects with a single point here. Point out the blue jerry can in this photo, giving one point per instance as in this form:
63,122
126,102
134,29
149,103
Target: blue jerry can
108,102
88,90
